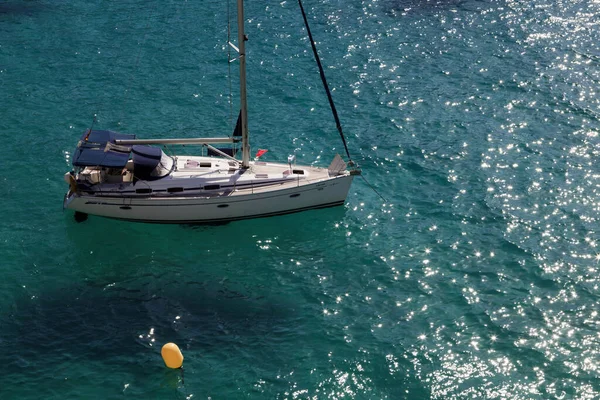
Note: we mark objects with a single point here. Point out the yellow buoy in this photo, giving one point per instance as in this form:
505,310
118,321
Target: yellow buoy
172,355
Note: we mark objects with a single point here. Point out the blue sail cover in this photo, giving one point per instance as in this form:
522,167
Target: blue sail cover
93,150
145,160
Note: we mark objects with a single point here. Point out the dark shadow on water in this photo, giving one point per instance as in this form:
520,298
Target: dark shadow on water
21,7
127,323
106,250
120,290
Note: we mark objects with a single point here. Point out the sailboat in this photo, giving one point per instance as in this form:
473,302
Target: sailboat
121,176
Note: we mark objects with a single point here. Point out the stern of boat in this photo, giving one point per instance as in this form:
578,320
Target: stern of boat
71,193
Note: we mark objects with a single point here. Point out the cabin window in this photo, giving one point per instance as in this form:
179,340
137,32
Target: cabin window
212,187
143,191
205,165
223,205
298,172
175,190
295,195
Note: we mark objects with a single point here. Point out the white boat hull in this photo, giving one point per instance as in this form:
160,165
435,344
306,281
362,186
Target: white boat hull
240,204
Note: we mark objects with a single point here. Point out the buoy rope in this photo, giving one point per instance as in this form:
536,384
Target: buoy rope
324,80
373,188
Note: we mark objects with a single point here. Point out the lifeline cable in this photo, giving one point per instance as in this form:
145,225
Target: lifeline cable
322,73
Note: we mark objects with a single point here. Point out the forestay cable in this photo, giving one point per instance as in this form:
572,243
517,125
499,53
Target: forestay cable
333,110
324,80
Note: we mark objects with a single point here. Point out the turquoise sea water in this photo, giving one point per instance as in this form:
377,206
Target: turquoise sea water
477,277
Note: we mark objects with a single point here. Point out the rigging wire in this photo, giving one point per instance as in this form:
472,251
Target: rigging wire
232,128
330,98
87,136
229,63
324,80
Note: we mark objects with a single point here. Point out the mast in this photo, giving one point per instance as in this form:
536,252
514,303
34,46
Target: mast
243,103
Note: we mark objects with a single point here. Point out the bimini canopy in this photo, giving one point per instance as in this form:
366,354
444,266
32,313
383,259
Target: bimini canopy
99,149
150,163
